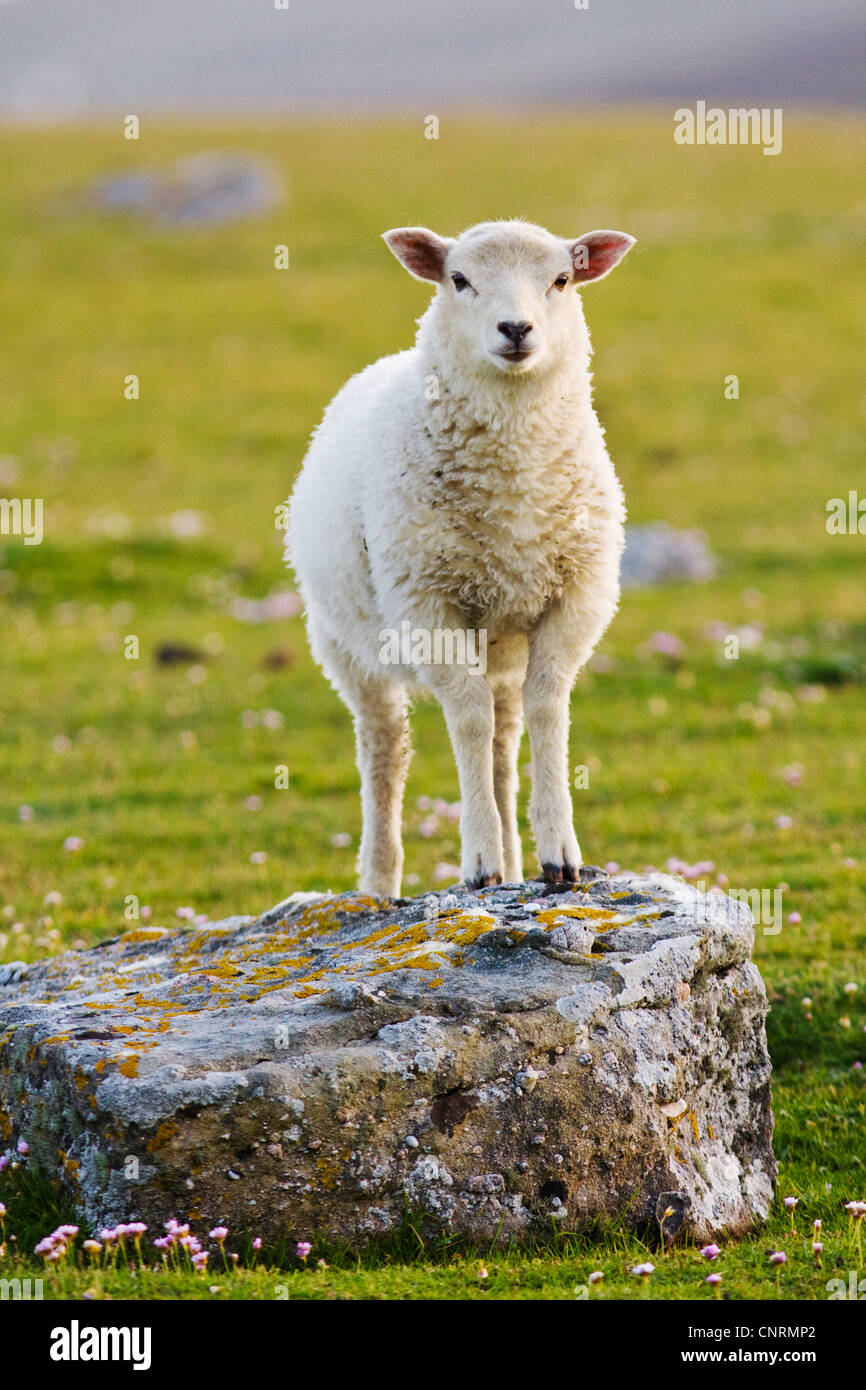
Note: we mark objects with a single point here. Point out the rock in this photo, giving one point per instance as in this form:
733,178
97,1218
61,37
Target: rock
656,553
319,1070
207,189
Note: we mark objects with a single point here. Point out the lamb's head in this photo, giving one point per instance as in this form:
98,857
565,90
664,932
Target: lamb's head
505,289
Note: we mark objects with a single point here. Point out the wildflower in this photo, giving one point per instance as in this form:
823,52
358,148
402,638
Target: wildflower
257,1243
711,1252
219,1233
784,822
611,867
644,1270
778,1257
794,918
483,1273
2,1211
791,1201
666,644
713,1280
23,1147
92,1247
4,1163
817,1224
185,913
73,843
303,1249
259,856
596,1276
341,840
850,988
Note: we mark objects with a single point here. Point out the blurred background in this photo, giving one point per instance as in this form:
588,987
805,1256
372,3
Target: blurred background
89,56
149,771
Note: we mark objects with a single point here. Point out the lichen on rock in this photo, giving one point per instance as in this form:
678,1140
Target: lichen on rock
497,1063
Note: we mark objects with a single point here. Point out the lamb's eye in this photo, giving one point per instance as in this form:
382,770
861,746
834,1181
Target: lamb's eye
460,281
561,281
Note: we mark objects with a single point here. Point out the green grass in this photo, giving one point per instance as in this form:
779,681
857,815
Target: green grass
745,265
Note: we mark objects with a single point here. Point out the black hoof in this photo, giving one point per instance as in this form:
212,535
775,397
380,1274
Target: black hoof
483,881
559,873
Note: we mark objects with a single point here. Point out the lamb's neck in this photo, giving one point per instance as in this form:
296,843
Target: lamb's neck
503,409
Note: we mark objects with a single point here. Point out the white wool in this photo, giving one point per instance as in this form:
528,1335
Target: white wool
451,487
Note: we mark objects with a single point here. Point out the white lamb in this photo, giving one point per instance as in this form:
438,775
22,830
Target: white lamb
465,485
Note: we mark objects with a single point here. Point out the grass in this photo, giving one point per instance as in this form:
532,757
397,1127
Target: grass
745,265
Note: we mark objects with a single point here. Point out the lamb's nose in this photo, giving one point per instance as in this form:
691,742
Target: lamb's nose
515,331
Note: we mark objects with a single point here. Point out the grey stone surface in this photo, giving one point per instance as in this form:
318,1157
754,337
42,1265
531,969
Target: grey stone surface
499,1063
657,553
208,189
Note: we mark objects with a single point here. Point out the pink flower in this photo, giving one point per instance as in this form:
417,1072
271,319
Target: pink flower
711,1252
219,1233
644,1270
778,1257
303,1249
784,822
794,918
23,1146
257,1243
611,867
791,1202
817,1246
713,1280
4,1162
667,645
73,843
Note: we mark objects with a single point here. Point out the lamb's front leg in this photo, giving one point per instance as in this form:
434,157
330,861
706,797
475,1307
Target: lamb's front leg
558,647
467,703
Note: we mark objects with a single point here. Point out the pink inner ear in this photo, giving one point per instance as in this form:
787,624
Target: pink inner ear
598,252
420,254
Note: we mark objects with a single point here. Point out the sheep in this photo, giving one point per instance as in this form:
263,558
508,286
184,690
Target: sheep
464,486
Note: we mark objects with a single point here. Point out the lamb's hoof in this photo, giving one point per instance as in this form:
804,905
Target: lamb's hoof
559,873
483,881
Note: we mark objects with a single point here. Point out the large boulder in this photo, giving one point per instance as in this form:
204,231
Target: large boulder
498,1063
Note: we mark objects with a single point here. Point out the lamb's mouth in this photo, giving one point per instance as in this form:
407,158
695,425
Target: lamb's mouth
516,354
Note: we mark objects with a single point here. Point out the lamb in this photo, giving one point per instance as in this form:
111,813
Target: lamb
464,486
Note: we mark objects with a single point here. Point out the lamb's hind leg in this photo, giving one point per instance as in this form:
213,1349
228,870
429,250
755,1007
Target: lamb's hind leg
508,727
383,753
380,713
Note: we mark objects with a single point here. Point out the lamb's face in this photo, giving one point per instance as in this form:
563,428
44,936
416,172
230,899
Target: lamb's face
506,289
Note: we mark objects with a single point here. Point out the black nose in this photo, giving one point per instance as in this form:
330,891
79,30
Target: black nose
515,331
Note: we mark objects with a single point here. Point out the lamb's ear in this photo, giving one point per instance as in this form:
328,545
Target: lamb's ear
596,253
421,251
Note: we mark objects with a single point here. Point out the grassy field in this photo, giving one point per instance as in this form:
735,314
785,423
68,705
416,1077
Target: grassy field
159,519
